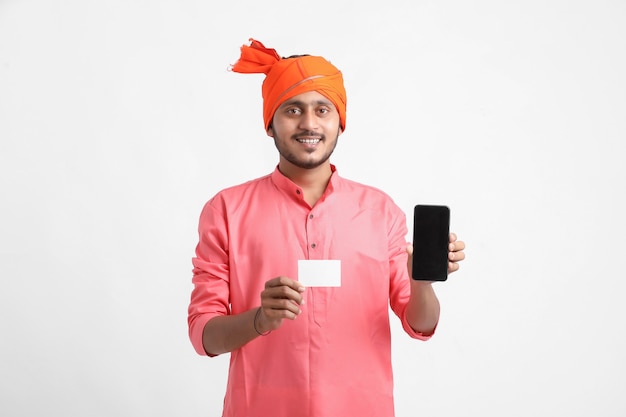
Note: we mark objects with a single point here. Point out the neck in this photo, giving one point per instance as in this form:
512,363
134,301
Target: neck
312,181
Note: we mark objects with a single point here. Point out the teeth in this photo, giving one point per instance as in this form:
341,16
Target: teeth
308,141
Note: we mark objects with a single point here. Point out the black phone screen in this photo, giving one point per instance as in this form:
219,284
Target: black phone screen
431,237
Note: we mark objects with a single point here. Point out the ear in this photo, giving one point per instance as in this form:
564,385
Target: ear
270,131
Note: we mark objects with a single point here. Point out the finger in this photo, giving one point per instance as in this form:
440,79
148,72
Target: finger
456,256
272,319
452,237
284,281
283,293
284,287
452,267
456,246
277,308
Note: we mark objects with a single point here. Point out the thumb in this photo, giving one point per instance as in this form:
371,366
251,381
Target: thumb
409,262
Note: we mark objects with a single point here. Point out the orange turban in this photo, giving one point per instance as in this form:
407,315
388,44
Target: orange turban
288,77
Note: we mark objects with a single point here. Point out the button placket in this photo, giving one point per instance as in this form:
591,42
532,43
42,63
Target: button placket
319,297
310,233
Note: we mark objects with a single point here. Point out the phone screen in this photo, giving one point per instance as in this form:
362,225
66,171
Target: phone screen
431,237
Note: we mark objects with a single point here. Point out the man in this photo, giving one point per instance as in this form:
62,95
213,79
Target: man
296,351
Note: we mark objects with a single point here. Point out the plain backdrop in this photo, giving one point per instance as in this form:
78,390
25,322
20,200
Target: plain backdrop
120,119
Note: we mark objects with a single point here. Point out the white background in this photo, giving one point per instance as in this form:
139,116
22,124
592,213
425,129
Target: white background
119,119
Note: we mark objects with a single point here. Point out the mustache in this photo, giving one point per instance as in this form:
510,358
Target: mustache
308,135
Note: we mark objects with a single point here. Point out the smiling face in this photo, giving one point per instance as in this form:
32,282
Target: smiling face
305,129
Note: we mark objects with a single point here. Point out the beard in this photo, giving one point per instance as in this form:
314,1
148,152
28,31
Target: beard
306,162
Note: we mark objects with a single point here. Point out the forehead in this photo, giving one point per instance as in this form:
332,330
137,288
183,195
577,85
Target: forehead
309,98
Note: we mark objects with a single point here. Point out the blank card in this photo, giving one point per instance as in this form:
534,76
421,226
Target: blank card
320,273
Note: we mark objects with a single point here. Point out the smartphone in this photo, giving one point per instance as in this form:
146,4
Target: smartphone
431,238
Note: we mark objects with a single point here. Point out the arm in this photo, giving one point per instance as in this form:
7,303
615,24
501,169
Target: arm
423,308
223,334
280,300
212,328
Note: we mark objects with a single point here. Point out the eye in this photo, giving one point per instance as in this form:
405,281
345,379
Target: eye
323,110
293,111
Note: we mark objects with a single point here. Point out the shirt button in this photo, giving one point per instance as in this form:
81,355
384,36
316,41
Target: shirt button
313,245
298,192
311,216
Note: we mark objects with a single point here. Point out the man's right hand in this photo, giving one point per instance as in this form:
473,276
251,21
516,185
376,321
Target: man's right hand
281,299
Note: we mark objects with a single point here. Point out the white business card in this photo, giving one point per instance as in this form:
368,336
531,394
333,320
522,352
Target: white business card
319,273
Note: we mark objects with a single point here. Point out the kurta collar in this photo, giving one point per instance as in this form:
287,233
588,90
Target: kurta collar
295,192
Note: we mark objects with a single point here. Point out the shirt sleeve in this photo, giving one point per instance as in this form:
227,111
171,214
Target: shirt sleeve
399,280
210,294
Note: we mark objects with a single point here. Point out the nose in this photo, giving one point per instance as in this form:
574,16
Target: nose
308,120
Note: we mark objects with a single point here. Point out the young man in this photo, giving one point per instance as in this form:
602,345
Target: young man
296,351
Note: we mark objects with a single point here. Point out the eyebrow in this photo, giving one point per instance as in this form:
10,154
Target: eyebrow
301,103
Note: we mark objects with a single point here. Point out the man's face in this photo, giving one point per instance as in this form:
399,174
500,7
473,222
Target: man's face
305,129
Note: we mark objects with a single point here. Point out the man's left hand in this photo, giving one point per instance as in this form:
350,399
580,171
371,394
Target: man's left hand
455,253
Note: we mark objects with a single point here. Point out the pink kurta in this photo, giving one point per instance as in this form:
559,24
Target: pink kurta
335,358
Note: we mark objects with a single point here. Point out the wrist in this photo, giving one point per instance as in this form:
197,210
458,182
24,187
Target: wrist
258,327
420,285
